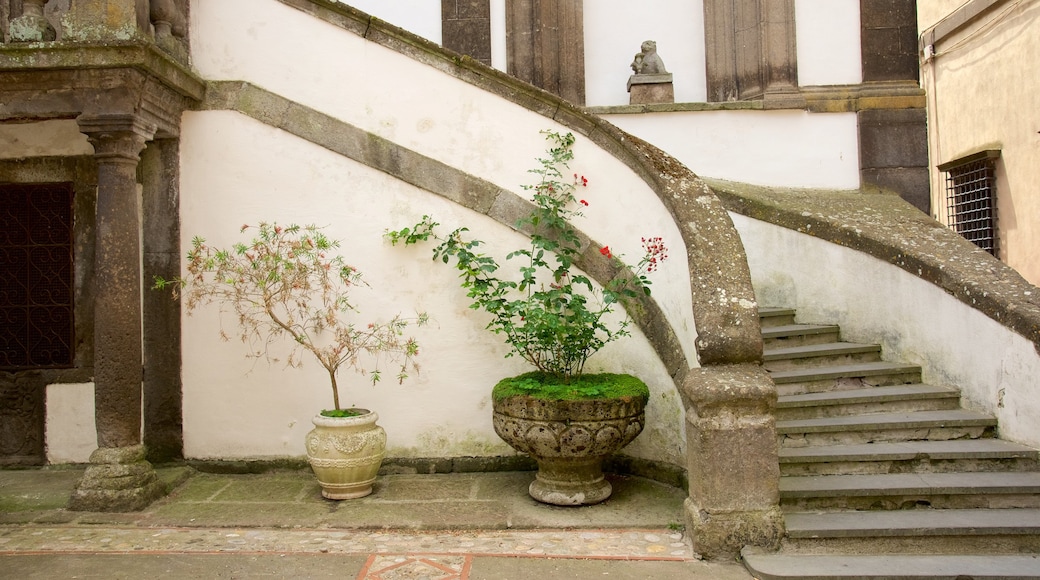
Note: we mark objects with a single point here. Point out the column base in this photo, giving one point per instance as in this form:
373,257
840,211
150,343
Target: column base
723,535
118,479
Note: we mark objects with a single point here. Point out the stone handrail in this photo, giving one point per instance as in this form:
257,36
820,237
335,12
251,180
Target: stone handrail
886,227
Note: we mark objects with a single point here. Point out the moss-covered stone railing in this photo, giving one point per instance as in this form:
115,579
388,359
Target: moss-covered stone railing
884,226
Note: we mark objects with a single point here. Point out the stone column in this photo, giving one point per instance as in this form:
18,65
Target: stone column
546,47
734,473
780,52
118,478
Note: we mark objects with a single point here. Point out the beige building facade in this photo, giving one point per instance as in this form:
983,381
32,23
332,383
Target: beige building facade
979,71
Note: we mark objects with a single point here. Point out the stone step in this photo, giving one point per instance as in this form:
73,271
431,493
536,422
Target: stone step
788,335
915,531
817,355
910,567
885,427
961,455
769,316
843,377
897,491
895,398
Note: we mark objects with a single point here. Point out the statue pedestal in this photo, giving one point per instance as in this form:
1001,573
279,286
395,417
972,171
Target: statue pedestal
649,89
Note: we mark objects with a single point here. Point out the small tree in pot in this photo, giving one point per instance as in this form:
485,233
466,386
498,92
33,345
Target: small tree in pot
554,319
286,283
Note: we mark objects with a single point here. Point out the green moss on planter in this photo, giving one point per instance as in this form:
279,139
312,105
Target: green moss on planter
546,386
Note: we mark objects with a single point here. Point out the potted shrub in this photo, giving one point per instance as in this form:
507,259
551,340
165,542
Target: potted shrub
286,287
555,319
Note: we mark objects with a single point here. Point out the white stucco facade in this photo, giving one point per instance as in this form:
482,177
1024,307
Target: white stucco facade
236,170
827,36
782,148
955,345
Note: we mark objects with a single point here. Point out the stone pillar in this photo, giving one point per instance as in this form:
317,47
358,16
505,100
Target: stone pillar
546,47
780,52
466,28
159,172
118,478
751,50
734,473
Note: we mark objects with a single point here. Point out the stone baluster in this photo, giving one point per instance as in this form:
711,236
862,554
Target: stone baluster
31,26
118,478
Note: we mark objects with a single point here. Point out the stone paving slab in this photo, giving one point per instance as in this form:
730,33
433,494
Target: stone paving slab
276,525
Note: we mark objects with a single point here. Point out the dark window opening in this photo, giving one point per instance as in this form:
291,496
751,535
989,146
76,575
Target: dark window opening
36,276
971,202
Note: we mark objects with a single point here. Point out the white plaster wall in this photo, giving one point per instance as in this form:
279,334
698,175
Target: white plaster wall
44,138
70,434
482,134
828,39
499,56
422,17
236,170
914,321
614,31
782,148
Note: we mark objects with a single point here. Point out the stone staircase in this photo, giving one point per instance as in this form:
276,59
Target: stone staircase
885,477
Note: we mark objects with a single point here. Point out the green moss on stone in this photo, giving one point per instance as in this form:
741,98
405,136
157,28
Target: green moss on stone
595,386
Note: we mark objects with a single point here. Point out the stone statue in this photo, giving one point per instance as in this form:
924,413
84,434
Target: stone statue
647,62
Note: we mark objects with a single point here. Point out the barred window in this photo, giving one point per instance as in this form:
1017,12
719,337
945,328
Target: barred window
36,276
971,202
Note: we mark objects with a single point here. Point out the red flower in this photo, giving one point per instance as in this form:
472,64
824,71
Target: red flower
605,250
584,203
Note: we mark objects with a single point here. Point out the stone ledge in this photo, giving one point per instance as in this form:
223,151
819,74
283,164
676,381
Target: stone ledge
818,99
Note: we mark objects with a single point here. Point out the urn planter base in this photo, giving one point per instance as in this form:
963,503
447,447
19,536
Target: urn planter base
345,454
569,482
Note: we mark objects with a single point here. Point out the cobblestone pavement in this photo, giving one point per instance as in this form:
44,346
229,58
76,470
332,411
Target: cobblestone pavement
619,544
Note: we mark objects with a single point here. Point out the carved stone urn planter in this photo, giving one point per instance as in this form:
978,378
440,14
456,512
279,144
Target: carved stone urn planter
345,453
570,437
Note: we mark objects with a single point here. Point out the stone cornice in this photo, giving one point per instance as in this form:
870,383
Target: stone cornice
816,99
890,229
141,56
64,80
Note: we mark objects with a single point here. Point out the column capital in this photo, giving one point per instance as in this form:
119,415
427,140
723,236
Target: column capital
116,137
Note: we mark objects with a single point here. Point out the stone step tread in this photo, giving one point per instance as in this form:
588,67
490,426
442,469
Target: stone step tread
786,330
865,369
878,421
893,523
955,449
774,311
871,395
910,484
924,566
813,350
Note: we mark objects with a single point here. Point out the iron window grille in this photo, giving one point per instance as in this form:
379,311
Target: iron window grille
36,276
971,200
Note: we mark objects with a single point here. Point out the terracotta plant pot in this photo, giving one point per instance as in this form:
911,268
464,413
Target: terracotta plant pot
345,453
569,439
